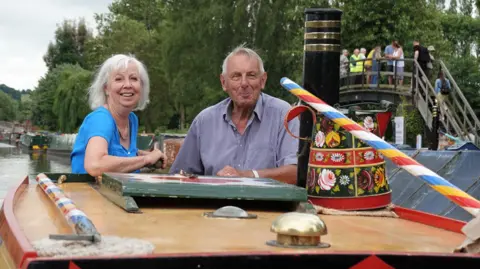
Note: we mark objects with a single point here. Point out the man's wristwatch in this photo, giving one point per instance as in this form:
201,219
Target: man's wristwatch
255,173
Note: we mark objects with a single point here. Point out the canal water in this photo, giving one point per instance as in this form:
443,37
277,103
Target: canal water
16,163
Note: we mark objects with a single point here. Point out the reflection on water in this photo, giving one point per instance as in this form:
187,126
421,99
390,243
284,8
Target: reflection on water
16,163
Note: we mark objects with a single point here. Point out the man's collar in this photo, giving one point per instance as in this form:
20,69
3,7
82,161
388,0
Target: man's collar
258,110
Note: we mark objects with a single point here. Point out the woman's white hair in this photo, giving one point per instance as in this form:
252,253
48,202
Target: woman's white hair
241,49
96,92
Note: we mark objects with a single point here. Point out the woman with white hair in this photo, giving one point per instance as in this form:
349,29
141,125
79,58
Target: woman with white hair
107,139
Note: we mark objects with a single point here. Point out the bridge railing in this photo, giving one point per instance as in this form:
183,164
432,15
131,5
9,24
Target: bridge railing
462,111
376,76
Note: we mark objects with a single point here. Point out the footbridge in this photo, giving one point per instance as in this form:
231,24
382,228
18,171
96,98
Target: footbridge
376,85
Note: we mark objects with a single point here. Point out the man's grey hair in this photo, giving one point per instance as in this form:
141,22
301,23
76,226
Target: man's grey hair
96,92
241,49
363,50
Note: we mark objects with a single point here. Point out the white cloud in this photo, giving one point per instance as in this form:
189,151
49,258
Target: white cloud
26,28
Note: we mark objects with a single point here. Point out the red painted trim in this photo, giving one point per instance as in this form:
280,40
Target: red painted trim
354,203
351,157
448,224
12,235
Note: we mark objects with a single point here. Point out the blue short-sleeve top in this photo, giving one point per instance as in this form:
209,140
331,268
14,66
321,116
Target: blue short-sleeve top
101,123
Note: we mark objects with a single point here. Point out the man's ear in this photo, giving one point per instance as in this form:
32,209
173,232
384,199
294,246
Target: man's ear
223,82
264,79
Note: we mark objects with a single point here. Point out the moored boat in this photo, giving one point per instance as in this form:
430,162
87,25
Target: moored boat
34,141
61,145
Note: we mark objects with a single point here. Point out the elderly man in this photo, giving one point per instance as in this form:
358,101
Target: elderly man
242,135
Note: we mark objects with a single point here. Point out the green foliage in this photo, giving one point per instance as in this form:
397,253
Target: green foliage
69,44
461,32
413,121
43,98
370,23
466,74
8,108
15,94
70,97
183,44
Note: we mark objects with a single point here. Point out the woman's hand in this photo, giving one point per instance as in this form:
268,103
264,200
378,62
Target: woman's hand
157,158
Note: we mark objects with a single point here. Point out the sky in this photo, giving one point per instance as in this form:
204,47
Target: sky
27,27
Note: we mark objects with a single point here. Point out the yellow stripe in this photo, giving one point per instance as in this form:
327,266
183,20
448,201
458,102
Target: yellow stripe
446,190
390,153
343,121
298,91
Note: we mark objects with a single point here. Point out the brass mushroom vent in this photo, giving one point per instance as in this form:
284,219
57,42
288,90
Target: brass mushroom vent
298,230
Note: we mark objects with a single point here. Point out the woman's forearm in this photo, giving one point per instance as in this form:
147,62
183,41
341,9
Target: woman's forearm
109,163
143,152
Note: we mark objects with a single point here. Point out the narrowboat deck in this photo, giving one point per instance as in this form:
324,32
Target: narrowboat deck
186,230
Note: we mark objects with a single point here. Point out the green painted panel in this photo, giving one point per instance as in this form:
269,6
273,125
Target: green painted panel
71,177
210,187
145,142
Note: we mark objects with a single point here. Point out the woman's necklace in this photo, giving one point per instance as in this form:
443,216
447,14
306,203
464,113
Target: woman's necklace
127,133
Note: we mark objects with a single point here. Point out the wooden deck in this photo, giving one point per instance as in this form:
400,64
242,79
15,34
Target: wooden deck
186,230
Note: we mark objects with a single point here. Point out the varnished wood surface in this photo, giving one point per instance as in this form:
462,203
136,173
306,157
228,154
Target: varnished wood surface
186,230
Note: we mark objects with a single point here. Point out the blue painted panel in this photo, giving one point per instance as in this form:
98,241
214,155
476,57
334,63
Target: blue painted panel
456,212
462,171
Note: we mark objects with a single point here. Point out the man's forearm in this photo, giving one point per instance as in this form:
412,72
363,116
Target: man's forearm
286,173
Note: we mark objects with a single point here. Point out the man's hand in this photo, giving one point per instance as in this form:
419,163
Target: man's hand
229,171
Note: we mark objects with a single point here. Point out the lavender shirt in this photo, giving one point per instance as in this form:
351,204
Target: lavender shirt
213,141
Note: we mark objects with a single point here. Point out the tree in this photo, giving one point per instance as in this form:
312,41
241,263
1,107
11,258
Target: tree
8,107
366,24
42,101
453,7
69,45
466,7
70,103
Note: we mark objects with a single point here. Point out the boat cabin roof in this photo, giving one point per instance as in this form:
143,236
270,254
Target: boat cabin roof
179,224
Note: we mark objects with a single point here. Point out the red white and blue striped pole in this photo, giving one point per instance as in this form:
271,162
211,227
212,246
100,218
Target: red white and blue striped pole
435,181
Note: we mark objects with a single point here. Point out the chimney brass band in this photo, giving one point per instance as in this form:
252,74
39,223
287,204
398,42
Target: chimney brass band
322,47
323,24
322,35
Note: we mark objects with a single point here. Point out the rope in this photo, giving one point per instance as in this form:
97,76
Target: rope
109,246
386,212
435,181
469,246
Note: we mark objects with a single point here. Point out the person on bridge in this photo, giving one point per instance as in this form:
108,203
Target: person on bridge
376,55
356,67
388,55
107,138
442,89
398,62
244,134
422,56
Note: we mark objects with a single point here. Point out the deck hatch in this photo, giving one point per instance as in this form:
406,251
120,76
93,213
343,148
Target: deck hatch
123,189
